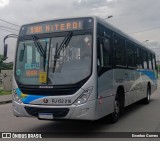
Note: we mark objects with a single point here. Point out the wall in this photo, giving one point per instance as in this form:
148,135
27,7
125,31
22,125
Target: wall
7,79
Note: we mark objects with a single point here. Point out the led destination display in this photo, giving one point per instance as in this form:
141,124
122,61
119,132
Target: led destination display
57,26
52,26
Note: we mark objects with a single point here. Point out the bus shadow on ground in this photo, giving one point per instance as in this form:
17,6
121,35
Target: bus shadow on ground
75,126
131,109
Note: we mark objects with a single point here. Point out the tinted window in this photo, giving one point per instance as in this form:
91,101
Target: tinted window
154,62
119,46
104,46
139,58
131,54
145,59
150,64
106,51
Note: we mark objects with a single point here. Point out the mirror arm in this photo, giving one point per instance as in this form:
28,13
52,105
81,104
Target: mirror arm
5,45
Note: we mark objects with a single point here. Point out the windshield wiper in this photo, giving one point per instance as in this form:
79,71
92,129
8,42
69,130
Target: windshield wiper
40,49
38,46
63,45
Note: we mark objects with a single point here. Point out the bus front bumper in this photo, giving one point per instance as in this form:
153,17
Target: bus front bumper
85,111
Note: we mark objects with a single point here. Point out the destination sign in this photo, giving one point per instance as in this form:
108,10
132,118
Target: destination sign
54,26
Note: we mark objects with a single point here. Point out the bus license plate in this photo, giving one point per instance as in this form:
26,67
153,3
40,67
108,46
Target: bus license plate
45,115
61,101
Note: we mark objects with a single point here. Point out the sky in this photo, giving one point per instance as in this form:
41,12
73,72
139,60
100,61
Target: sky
134,17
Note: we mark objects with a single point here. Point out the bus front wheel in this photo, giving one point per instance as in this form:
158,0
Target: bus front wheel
116,113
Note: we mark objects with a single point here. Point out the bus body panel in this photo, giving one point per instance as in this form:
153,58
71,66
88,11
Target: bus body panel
106,93
133,81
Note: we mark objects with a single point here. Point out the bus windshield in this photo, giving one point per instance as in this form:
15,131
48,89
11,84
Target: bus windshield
58,60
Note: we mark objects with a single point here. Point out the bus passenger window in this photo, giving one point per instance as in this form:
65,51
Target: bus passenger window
119,46
145,60
154,62
131,54
150,61
106,52
139,59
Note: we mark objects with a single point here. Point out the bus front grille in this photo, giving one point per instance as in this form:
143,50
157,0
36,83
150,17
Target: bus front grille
57,112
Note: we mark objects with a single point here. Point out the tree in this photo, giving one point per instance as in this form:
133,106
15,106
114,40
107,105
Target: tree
2,59
5,66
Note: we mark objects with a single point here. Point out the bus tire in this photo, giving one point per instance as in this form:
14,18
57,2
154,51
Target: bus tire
147,99
115,115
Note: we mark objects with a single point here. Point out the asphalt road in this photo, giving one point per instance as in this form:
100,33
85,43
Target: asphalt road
137,118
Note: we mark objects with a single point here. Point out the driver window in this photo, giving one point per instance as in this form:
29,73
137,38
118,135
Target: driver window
106,51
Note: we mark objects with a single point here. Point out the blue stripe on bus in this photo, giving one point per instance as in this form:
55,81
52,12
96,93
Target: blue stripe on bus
31,98
26,98
148,73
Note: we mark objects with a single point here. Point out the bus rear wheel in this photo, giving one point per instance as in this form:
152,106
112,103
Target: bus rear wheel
115,115
147,99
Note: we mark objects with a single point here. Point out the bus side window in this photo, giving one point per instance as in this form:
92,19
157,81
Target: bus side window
145,60
119,48
150,65
154,62
103,45
139,58
131,55
106,52
99,51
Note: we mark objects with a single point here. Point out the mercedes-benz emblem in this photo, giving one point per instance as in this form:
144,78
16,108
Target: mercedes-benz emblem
45,100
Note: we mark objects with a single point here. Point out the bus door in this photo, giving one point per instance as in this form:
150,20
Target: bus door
105,75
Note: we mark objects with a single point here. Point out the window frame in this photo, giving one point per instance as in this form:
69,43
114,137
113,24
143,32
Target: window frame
133,48
122,40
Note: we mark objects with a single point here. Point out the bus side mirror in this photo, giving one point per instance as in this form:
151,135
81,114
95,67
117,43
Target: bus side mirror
5,50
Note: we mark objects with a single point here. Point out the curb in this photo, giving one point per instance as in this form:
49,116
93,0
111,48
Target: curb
5,102
4,99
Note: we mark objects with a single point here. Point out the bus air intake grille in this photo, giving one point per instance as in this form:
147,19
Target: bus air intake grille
57,112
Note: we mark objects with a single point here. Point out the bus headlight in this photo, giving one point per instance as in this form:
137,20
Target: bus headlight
84,97
16,97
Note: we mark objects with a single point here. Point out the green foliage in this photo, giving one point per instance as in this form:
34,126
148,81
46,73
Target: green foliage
158,68
3,65
2,92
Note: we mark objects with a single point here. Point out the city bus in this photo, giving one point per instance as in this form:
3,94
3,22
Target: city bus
80,68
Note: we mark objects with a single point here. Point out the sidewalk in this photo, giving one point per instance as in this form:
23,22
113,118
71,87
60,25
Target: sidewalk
5,99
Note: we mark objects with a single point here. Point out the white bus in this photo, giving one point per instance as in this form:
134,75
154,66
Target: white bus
79,68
